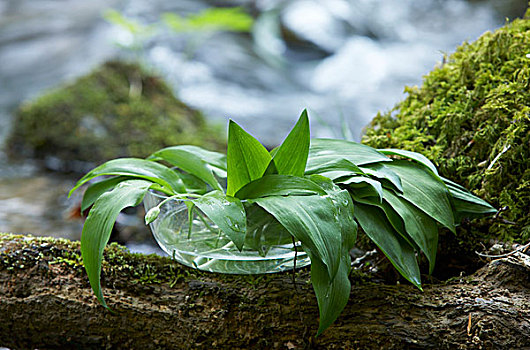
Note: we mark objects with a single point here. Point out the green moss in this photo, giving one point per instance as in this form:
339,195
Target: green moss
118,110
472,118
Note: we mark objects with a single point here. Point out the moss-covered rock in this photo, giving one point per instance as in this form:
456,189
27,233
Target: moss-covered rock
118,110
472,118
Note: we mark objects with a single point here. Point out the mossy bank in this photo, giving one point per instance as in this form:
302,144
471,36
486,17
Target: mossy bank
472,118
118,110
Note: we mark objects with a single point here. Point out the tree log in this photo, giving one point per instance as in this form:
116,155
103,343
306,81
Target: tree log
46,302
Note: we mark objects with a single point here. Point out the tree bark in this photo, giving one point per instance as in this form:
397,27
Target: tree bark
46,302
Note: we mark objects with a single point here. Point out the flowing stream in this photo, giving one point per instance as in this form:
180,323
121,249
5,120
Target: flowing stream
344,61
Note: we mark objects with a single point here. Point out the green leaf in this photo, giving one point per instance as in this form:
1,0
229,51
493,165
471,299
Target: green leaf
97,189
342,207
337,175
263,230
391,214
311,220
363,187
418,225
291,156
332,293
99,223
330,166
279,185
233,19
186,159
385,175
227,213
137,168
466,204
425,190
322,151
215,159
401,254
247,159
193,184
417,157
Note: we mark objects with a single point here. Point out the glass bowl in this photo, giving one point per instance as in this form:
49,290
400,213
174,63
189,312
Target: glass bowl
202,245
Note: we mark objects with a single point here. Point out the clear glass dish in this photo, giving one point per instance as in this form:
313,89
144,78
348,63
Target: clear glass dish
204,246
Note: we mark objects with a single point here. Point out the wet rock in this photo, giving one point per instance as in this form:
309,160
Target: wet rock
118,110
471,117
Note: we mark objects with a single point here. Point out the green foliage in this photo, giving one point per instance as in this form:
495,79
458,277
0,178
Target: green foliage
233,19
472,118
99,223
118,110
316,192
132,26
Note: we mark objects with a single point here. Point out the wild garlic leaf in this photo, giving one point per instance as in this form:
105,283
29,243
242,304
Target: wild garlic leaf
247,159
325,150
385,175
419,226
263,230
465,204
425,190
391,214
187,160
279,185
227,213
97,189
311,220
363,187
99,223
417,157
137,168
342,207
291,157
329,167
332,293
401,254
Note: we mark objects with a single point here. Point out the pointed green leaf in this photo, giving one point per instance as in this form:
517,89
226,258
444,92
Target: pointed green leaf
137,168
323,151
342,207
332,294
385,175
291,156
215,159
363,187
247,159
374,223
330,166
263,230
97,189
419,226
417,157
465,204
391,215
227,213
425,190
99,223
279,185
186,160
311,220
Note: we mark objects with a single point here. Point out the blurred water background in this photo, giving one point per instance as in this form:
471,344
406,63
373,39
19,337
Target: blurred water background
344,60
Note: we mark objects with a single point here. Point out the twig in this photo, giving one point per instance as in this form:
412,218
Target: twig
294,264
521,248
469,325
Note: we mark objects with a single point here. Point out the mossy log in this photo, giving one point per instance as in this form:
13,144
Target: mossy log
46,302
